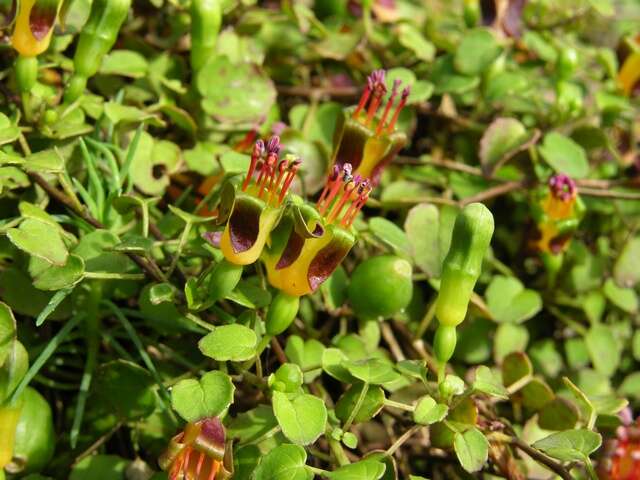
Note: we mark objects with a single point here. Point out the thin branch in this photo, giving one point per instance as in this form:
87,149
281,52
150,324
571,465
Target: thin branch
542,458
317,92
444,163
277,349
493,192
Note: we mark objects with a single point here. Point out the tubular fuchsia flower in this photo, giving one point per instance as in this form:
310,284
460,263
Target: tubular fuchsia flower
197,453
557,213
254,209
310,243
363,138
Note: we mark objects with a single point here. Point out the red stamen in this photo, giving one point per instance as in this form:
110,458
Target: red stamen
200,462
335,187
282,166
339,205
268,170
392,97
214,470
333,176
379,91
359,204
364,189
258,149
403,101
363,98
185,470
293,169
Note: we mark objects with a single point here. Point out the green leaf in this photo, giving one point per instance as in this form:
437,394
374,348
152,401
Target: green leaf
500,141
100,467
509,338
373,371
305,355
251,97
509,301
334,363
477,50
251,425
623,298
536,394
487,382
564,155
372,403
229,342
603,349
53,277
422,228
626,270
9,132
472,449
302,417
411,38
362,470
389,233
631,385
285,462
125,389
559,414
40,239
7,331
515,367
208,397
126,63
570,445
118,113
428,411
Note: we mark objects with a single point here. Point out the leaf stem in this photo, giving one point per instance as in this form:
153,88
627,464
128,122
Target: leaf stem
356,407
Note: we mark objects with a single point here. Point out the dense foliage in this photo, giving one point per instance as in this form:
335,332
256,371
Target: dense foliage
368,239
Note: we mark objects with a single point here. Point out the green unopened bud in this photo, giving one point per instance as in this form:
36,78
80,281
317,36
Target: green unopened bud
288,378
96,40
26,69
282,312
223,279
444,343
471,236
206,17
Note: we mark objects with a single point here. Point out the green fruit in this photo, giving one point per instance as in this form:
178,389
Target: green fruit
35,436
381,287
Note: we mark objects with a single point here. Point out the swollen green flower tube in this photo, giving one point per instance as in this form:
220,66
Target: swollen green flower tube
96,39
471,236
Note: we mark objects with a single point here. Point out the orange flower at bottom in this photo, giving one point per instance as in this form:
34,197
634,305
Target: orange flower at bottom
197,453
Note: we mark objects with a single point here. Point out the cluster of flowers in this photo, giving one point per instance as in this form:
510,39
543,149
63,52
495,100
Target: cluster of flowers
301,243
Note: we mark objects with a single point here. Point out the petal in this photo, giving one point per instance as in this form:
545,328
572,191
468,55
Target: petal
349,141
211,438
42,17
244,223
327,260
